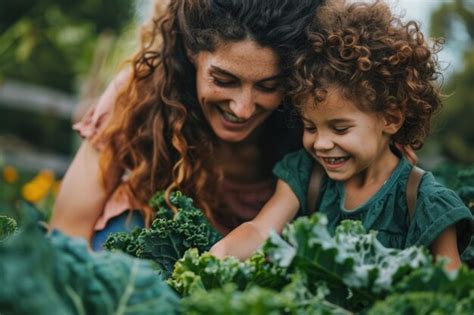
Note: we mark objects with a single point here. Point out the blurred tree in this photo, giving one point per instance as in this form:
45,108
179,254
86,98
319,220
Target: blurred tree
48,42
455,22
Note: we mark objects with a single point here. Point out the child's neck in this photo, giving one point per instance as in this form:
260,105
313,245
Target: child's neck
360,188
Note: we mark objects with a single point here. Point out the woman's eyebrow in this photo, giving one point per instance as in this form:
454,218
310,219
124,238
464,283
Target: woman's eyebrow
218,70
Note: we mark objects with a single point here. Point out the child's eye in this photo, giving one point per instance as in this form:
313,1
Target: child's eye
341,130
310,129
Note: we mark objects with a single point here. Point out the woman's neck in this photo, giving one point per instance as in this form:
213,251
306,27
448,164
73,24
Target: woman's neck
243,161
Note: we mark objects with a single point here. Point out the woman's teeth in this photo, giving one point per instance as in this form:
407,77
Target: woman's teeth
232,118
335,160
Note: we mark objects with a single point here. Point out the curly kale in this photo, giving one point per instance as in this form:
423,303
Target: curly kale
170,235
424,303
352,269
8,227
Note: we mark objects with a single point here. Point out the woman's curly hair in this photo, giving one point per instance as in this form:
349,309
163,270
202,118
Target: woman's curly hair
158,134
376,60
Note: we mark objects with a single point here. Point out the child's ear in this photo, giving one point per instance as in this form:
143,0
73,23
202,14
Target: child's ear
393,120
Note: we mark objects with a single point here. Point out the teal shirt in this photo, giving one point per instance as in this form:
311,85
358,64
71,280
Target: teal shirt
386,211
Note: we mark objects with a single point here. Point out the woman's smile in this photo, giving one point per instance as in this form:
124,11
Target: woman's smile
231,118
238,86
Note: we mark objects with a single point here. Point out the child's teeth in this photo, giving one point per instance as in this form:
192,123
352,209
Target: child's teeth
335,160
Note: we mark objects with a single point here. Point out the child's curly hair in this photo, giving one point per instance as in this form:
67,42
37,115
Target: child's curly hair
376,60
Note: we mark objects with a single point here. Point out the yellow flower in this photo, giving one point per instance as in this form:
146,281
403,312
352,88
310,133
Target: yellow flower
39,187
10,174
33,193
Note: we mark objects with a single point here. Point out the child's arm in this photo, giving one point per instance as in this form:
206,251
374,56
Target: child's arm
446,246
243,241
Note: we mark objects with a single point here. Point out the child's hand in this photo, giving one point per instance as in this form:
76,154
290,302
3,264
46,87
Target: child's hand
218,250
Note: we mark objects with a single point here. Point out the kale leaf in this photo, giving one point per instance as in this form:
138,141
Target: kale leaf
56,274
170,235
8,227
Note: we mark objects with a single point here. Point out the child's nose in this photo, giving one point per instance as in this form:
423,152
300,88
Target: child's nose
322,142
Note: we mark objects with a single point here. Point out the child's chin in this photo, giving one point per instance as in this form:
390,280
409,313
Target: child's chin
337,176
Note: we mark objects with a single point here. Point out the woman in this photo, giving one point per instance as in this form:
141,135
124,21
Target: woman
201,110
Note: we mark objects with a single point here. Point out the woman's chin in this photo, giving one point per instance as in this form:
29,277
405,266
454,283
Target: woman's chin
232,132
232,137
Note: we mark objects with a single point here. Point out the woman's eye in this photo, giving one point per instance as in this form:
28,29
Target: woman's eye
223,82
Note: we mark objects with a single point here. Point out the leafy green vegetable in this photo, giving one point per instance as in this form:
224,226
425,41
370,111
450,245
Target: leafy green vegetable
27,275
195,273
170,235
292,299
8,226
459,283
59,275
424,303
356,267
306,268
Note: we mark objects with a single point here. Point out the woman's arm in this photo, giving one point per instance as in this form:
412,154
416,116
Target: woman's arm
243,241
82,195
446,246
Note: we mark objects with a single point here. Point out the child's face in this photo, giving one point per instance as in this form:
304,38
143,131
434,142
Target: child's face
342,138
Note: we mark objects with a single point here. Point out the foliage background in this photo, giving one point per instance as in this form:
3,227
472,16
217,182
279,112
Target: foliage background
76,47
69,48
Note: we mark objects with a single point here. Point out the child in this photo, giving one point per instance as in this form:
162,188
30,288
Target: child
366,94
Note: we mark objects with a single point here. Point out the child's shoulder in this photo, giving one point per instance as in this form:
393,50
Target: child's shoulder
437,208
432,190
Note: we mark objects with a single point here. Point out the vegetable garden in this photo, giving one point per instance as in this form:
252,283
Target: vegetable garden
165,269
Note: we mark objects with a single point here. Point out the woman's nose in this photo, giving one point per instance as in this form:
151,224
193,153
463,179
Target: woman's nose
243,104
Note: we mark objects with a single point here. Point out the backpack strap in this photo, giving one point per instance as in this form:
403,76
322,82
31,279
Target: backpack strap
413,184
314,187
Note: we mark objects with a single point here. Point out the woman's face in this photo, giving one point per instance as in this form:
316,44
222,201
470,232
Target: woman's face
238,86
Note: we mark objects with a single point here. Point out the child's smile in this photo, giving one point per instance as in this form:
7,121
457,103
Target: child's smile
334,162
348,142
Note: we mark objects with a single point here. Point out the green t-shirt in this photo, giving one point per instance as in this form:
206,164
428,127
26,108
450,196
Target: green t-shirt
386,211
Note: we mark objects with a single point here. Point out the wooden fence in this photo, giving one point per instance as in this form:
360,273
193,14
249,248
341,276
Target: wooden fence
25,96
